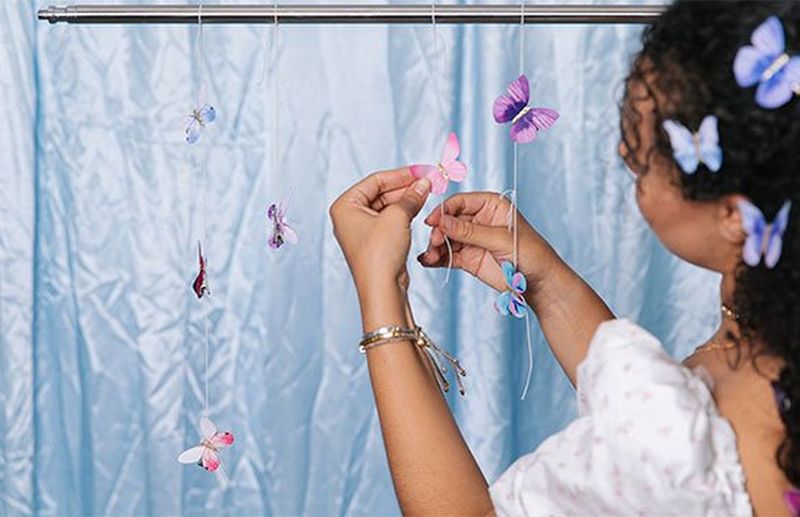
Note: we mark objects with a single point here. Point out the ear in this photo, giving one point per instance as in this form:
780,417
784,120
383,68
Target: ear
729,220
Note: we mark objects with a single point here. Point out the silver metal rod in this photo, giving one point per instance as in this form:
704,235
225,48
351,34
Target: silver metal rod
351,14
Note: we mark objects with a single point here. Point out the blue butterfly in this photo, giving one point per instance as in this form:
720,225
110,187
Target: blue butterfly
198,121
511,301
763,238
691,149
766,62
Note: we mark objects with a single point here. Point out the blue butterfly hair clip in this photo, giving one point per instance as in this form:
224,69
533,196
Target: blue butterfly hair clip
691,149
763,238
767,64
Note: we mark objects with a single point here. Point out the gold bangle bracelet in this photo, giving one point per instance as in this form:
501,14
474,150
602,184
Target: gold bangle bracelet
387,334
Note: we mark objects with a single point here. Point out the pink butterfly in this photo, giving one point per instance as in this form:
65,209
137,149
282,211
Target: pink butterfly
526,122
448,169
205,454
199,285
281,231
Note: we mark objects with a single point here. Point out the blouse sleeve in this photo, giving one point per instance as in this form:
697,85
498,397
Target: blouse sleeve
648,441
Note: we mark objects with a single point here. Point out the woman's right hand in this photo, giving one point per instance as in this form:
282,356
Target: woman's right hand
477,225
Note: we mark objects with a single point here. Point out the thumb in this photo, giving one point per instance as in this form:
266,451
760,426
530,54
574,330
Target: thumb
414,197
492,238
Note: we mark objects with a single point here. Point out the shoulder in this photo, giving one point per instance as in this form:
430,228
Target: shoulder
648,439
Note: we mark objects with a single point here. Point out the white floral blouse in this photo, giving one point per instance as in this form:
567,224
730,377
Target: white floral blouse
648,441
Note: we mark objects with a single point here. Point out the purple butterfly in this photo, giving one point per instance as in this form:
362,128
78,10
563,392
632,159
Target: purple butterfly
526,122
766,62
792,498
199,285
281,231
511,301
763,238
691,149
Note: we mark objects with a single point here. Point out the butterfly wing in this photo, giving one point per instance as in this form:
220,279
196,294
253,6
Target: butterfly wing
517,307
753,224
192,455
682,146
438,182
710,150
451,149
502,303
209,460
192,131
768,37
508,272
508,106
222,439
207,428
792,498
519,283
775,243
456,171
207,113
289,234
779,89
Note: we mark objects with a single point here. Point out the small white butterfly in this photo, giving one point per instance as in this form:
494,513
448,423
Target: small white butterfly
205,454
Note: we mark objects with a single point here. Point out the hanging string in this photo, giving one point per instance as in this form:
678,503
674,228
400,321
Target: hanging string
442,117
276,90
200,50
515,174
514,210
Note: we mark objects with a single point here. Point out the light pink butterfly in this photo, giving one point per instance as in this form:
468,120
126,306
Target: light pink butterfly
449,169
205,454
281,231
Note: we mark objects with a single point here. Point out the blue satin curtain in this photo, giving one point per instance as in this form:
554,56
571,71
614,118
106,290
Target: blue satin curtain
102,204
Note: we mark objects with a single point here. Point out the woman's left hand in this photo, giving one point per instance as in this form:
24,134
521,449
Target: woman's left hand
371,221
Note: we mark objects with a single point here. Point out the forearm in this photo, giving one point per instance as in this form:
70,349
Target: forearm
432,468
569,312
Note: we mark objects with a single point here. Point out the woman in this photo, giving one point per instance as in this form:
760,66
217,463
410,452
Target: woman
717,435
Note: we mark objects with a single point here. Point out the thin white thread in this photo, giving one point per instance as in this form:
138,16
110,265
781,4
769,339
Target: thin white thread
442,121
276,90
200,47
515,180
530,354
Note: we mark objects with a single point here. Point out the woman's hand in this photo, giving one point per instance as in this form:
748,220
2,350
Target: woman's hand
477,225
372,222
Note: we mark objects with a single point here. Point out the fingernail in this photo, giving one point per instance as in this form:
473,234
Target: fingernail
422,186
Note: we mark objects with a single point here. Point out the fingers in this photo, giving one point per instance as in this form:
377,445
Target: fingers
413,199
491,238
373,186
387,198
467,203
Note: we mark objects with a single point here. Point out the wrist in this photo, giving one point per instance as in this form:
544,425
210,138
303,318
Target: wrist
382,304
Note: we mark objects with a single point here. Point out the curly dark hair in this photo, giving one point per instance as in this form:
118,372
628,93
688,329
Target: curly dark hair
687,58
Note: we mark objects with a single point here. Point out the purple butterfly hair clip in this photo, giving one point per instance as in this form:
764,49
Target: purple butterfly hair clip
767,64
526,122
792,498
281,231
763,239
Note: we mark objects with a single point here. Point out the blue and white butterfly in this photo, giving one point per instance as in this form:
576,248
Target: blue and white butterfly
691,149
197,121
763,238
767,64
511,300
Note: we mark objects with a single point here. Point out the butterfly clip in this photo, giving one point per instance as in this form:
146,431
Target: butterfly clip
197,122
792,498
206,454
511,301
199,285
767,64
691,149
763,238
449,169
281,231
526,122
